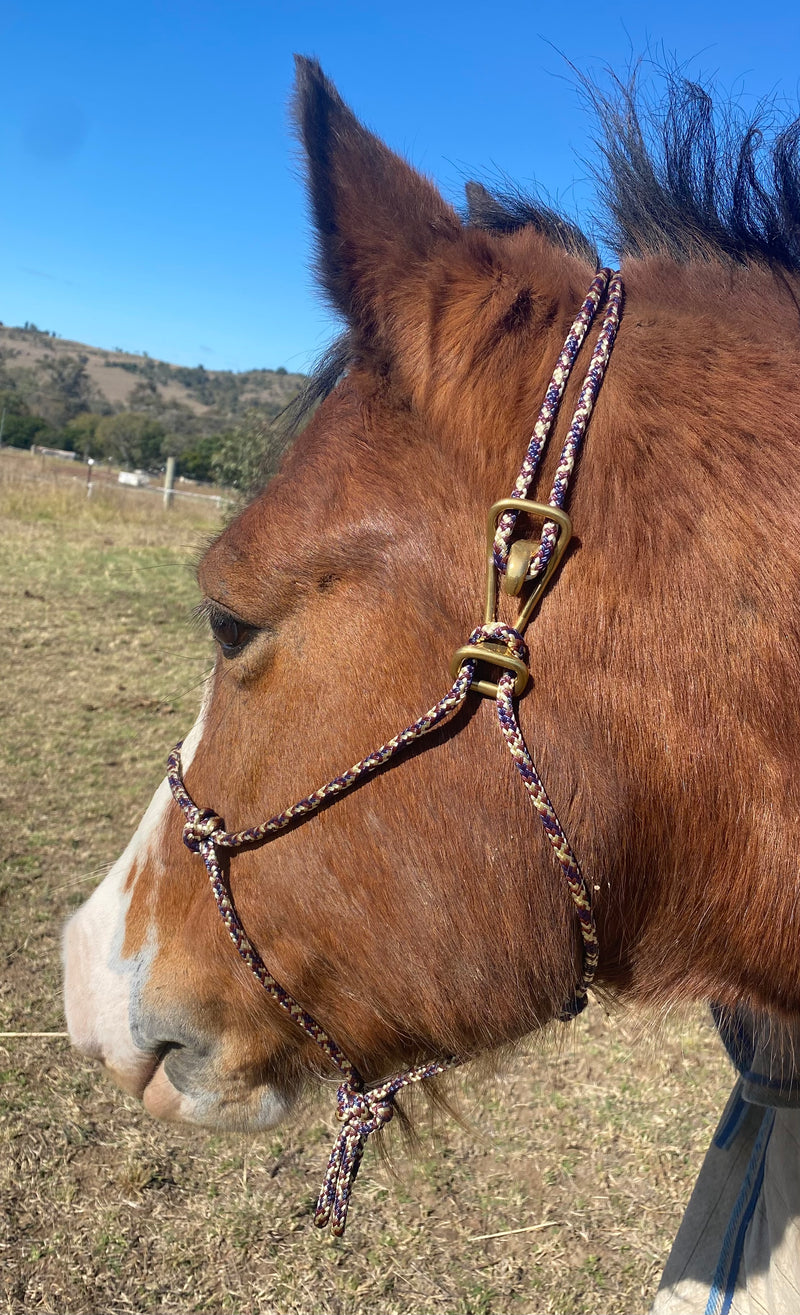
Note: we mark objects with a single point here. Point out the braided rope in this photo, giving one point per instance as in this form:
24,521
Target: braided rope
576,882
583,410
202,825
204,833
548,412
586,400
363,1112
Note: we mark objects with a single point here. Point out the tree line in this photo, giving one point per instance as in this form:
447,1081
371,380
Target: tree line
54,403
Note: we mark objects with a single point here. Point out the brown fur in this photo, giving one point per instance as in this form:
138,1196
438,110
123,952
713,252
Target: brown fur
423,914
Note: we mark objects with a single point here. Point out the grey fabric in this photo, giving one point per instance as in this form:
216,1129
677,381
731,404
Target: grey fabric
737,1251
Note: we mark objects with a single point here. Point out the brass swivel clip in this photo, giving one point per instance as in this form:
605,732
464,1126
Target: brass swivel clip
521,554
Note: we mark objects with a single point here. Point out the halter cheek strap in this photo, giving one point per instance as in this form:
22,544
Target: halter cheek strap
493,644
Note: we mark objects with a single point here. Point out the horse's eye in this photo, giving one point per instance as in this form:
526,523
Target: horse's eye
230,633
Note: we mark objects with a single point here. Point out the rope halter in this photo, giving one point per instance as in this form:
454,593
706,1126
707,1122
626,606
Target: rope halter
202,824
518,564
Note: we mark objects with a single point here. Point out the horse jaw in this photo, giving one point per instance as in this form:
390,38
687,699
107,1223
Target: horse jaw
166,1063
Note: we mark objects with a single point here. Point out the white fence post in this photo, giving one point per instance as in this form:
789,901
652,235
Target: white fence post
169,482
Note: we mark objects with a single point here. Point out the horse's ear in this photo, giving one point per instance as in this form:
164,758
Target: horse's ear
483,211
377,219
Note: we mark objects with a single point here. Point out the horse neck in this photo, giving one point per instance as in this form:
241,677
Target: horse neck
666,658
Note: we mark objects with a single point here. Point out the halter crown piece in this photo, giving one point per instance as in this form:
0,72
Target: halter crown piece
518,564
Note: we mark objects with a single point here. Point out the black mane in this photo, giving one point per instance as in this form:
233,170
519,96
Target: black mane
680,180
506,210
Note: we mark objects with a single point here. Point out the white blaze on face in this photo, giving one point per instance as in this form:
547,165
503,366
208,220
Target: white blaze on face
103,997
99,983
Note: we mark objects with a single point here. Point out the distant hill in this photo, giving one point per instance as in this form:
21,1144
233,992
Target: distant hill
54,390
118,380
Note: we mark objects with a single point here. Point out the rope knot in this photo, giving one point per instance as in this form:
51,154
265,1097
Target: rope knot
201,824
361,1111
495,632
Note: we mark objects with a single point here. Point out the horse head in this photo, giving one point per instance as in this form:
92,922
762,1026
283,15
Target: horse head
421,915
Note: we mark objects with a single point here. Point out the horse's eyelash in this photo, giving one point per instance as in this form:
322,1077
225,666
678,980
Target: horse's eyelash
207,612
201,612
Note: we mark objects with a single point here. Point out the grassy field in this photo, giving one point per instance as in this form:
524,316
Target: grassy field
559,1191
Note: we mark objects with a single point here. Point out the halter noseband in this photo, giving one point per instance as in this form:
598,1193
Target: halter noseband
517,564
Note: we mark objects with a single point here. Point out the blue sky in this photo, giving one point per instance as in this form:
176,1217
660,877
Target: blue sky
152,197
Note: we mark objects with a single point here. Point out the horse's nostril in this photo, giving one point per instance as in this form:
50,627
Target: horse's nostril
184,1066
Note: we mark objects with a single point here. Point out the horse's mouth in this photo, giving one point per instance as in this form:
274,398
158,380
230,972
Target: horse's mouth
151,1083
167,1095
180,1084
162,1098
132,1080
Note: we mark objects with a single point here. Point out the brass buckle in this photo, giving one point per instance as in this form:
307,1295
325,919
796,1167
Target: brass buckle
497,656
521,555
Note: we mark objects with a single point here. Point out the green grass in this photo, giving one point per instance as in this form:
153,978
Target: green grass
591,1144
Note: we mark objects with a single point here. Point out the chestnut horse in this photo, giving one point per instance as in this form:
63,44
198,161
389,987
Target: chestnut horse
421,915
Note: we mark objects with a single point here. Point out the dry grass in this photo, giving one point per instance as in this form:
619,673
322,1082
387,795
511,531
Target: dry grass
591,1148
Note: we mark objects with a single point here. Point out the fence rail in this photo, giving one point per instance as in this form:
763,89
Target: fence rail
101,476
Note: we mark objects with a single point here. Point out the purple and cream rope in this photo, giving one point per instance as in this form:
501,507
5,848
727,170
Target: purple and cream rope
586,400
361,1112
364,1112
